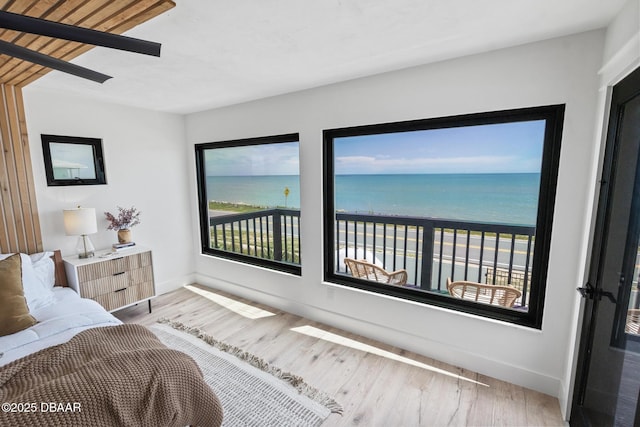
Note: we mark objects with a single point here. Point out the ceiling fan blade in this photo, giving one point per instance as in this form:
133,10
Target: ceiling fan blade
50,62
43,27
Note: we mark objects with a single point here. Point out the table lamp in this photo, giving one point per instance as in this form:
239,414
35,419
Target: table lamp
80,222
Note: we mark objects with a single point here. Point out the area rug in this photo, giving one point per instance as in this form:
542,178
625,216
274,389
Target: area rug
252,392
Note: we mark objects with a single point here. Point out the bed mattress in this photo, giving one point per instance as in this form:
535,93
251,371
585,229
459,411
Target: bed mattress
57,323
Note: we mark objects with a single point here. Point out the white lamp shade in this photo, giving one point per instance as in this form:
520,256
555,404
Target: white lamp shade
80,221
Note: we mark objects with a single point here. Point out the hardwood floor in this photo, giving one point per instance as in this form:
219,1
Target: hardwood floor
377,384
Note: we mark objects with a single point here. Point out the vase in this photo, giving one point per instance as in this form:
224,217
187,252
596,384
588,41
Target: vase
124,236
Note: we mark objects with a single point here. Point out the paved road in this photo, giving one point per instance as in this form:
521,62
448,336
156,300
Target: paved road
475,245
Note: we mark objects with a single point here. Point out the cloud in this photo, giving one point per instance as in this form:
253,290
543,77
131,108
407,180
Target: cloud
458,164
262,159
355,160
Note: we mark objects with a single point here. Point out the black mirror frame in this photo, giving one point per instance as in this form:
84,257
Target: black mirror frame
98,160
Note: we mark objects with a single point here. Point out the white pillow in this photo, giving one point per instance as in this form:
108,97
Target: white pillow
36,291
44,268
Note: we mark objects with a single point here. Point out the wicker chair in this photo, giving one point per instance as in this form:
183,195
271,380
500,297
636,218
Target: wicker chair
363,269
632,325
505,296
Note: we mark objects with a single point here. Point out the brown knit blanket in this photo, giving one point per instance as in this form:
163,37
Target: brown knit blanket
107,376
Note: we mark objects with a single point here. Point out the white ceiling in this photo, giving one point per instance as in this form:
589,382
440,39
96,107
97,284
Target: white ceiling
217,53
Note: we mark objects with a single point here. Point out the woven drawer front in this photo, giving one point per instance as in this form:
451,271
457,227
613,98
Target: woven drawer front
139,260
112,266
140,275
106,285
102,269
114,300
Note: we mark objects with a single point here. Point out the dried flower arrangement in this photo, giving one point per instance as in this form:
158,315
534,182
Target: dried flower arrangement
126,219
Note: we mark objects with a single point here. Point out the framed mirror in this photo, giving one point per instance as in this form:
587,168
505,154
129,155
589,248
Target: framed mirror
73,160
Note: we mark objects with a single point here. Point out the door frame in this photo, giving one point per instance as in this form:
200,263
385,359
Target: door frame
600,230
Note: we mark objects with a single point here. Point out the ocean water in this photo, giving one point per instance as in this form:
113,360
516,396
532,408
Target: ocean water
500,198
265,191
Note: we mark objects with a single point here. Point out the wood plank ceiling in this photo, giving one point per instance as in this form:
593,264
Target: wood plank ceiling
113,16
19,216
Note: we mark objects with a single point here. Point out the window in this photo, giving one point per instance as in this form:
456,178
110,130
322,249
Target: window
249,196
453,211
73,160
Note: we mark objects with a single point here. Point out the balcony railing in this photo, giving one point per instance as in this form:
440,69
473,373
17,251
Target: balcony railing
429,249
270,234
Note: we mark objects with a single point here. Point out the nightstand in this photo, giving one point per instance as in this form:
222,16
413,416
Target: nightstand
117,281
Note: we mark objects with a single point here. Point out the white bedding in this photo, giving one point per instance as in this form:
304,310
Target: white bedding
57,323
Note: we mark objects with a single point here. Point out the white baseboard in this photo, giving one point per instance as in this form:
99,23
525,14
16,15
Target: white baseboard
173,284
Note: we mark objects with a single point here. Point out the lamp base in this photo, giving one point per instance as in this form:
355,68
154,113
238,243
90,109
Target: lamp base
84,247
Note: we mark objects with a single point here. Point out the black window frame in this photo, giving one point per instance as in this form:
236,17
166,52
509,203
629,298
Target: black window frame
97,164
203,203
554,117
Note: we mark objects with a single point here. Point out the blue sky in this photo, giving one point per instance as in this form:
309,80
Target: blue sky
266,159
497,148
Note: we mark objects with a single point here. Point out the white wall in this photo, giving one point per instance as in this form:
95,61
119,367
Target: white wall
146,166
622,44
551,72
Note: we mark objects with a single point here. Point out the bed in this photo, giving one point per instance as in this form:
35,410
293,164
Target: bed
76,364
